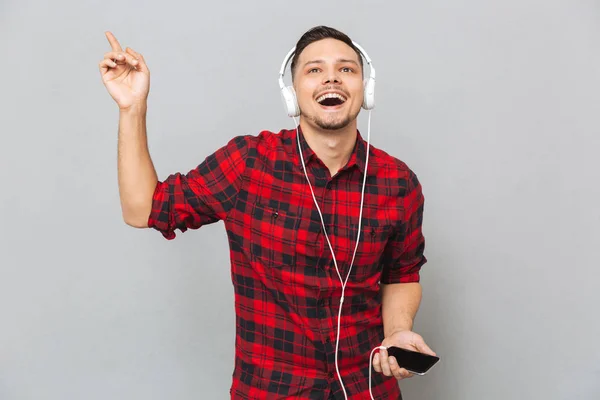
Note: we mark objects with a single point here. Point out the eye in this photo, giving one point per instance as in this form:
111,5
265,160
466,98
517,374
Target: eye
347,69
313,69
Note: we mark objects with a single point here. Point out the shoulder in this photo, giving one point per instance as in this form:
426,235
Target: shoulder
264,139
393,168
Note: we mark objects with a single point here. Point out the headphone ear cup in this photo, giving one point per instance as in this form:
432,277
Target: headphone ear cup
369,95
288,95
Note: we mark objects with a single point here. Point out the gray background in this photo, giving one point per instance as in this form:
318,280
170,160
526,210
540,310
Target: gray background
493,104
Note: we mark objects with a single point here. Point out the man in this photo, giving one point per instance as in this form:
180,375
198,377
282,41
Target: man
287,288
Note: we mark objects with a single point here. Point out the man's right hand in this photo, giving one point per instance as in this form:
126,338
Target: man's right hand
128,79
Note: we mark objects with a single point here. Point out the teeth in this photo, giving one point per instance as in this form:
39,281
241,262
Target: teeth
331,96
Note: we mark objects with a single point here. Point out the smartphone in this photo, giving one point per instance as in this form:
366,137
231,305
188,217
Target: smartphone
413,361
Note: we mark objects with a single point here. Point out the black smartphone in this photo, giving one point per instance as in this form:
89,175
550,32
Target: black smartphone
413,361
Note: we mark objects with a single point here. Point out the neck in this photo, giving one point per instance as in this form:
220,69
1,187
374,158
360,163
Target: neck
333,147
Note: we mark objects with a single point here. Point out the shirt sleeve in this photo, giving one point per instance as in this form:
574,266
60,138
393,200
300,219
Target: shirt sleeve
202,196
403,256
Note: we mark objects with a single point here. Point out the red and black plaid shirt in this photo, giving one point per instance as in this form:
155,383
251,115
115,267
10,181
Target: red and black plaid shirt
287,292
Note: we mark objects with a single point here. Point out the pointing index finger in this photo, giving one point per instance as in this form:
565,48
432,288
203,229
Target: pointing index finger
114,43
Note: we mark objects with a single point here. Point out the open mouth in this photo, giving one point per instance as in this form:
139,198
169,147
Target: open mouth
331,100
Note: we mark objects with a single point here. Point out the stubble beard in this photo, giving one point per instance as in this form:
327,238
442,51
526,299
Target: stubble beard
332,122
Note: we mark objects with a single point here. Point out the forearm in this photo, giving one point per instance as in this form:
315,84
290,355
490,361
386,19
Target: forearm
399,305
136,174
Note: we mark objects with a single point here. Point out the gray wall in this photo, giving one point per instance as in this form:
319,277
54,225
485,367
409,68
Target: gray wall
495,106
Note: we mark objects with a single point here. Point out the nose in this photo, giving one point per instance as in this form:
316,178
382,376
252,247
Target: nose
332,78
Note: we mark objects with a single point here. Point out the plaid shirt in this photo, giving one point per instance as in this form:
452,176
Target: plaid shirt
287,292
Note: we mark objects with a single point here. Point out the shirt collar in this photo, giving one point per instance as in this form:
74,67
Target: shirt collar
356,158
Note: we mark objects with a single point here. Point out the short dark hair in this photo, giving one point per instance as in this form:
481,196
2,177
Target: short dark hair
319,33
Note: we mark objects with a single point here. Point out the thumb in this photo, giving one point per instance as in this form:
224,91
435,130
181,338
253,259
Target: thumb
423,348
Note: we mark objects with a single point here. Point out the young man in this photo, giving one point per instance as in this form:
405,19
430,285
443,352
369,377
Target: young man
287,287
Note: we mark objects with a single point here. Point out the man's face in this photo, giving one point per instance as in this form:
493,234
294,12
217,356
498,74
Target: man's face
329,84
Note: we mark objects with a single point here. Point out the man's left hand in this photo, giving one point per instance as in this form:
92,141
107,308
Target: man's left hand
405,339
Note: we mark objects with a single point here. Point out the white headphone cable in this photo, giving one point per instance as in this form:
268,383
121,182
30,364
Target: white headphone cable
343,282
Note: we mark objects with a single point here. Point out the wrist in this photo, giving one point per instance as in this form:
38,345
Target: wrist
401,324
135,109
395,331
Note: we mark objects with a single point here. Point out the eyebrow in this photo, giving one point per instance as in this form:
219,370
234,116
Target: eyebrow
339,60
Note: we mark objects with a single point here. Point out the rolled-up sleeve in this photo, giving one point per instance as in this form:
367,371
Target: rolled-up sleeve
404,253
202,196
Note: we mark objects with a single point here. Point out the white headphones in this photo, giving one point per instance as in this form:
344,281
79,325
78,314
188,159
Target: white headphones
289,94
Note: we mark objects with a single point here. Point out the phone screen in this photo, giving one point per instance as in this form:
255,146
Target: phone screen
413,361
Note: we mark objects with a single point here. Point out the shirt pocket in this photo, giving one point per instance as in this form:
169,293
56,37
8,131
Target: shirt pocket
273,236
369,255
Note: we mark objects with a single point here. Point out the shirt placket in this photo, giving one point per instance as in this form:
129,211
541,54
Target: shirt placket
330,286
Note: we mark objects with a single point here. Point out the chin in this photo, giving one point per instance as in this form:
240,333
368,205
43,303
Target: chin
331,122
333,125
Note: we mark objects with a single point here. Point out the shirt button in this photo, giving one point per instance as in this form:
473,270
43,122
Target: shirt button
327,340
330,375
